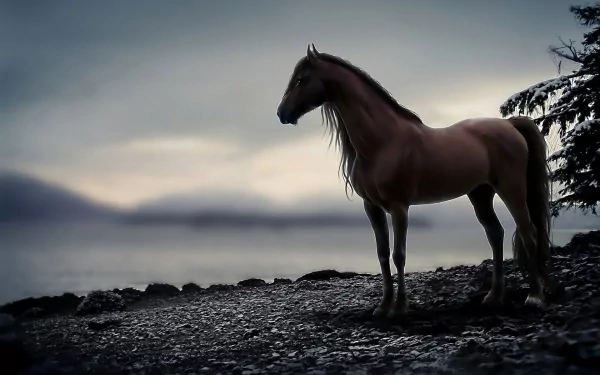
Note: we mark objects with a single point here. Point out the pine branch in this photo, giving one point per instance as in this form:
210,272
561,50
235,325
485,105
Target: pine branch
567,51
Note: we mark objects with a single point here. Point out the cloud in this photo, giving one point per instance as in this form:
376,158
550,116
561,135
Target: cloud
190,145
121,100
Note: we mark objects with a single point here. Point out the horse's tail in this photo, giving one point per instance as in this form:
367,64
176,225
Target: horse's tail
538,194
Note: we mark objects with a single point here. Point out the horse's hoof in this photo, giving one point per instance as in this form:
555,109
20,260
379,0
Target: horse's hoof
535,302
380,312
492,301
397,313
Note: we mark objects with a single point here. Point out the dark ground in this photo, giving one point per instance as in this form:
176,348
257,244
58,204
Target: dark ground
318,327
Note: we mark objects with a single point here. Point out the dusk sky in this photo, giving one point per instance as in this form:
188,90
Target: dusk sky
125,101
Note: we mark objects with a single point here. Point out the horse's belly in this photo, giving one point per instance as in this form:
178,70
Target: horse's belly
437,197
450,183
437,177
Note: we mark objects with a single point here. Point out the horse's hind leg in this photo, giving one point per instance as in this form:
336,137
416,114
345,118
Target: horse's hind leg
515,198
482,198
378,220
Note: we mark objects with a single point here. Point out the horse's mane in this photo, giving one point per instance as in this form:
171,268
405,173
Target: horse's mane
334,122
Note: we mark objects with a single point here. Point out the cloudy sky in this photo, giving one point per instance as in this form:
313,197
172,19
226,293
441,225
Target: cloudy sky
126,101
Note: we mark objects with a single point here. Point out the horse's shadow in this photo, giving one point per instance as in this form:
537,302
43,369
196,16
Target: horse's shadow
449,317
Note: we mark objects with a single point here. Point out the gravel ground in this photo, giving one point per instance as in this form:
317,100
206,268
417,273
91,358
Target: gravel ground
325,327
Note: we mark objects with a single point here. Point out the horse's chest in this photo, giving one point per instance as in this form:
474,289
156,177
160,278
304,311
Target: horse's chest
370,185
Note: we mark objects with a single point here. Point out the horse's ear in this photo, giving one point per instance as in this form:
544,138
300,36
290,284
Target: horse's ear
312,55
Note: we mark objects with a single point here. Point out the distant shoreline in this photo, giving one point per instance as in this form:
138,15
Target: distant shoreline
205,284
219,219
68,301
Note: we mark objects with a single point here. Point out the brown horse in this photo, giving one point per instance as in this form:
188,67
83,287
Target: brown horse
392,161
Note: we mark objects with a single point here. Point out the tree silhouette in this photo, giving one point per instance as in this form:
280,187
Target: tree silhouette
571,103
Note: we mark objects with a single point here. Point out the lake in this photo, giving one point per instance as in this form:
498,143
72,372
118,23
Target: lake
49,259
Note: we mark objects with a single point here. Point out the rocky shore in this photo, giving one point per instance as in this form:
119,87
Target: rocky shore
318,324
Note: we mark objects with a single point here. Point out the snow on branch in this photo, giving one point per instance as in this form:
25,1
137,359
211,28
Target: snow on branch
567,151
580,128
535,95
560,153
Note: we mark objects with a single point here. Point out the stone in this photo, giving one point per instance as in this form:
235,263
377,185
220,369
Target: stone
7,323
97,302
221,287
162,289
62,304
191,288
326,275
99,324
252,283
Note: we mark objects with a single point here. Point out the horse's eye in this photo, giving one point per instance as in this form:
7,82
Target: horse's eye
299,80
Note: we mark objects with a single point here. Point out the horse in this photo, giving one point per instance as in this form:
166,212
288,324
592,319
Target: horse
392,160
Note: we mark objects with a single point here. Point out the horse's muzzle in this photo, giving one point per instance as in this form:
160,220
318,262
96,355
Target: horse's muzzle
285,119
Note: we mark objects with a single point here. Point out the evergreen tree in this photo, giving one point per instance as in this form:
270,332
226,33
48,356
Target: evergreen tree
571,104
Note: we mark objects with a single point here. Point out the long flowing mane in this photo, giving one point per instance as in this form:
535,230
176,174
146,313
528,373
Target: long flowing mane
334,122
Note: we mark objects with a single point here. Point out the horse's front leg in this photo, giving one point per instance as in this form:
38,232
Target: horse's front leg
400,226
379,223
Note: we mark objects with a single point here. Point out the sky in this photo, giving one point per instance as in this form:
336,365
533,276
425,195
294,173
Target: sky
127,101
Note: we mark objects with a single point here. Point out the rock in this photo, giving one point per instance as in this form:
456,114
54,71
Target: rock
130,295
584,240
326,275
439,269
305,284
191,288
101,323
221,287
7,323
47,366
578,348
483,276
162,289
251,333
97,302
34,312
252,283
65,303
13,353
281,281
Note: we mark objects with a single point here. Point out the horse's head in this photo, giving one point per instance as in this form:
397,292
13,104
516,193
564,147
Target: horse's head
305,90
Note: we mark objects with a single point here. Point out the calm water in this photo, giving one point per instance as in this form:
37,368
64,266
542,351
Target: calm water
51,259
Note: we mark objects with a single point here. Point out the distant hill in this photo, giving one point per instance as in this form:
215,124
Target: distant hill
25,198
221,218
205,209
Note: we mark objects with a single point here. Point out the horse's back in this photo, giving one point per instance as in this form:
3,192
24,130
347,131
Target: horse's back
470,152
505,146
496,133
484,127
493,133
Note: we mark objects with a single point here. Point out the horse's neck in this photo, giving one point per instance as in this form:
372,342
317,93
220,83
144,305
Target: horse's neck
370,122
